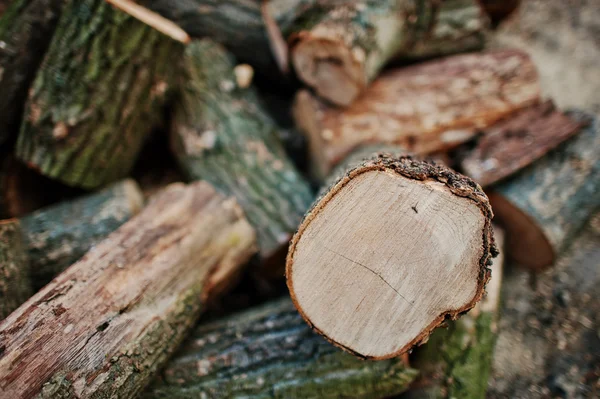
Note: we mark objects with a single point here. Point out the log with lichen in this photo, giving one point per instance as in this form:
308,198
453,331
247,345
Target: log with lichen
96,96
269,352
15,285
222,134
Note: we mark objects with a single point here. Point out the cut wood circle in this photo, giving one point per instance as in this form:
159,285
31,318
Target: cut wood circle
391,250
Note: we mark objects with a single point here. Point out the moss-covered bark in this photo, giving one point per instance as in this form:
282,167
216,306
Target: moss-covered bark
96,96
222,134
269,352
15,285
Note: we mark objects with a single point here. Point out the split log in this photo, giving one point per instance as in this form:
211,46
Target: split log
456,362
222,134
57,236
390,251
105,325
342,48
425,108
96,96
26,28
456,25
543,206
516,142
15,286
270,352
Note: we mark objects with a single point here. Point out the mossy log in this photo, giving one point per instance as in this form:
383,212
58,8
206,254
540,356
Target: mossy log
341,48
26,28
456,361
356,275
96,96
544,205
222,134
57,236
15,287
425,108
104,326
269,352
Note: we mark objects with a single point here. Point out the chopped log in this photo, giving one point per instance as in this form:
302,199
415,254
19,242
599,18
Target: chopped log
270,352
26,28
456,361
105,325
222,134
15,286
57,236
390,251
425,108
343,47
517,141
543,206
97,95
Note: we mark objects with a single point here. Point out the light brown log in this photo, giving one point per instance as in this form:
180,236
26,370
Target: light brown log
104,326
425,108
390,251
517,141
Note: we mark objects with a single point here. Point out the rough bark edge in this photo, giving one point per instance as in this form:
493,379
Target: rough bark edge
406,166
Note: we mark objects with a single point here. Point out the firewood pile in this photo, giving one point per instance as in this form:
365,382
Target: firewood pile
296,199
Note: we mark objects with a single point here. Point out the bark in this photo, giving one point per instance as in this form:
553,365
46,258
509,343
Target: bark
517,141
426,108
96,96
456,361
105,325
543,206
57,236
15,286
343,47
269,352
222,134
358,279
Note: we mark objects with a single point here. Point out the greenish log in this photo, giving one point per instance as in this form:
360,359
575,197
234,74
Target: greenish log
26,28
546,204
222,134
269,352
338,50
96,96
57,236
14,268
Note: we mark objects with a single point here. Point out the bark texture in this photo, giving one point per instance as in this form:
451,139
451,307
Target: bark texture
543,206
26,28
105,325
517,141
341,48
269,352
96,96
57,236
425,108
222,134
15,285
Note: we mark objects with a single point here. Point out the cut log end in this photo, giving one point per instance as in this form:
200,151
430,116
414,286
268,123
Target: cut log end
393,249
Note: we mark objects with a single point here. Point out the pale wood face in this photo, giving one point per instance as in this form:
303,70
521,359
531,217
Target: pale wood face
385,257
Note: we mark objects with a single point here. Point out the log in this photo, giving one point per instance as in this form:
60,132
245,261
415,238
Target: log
105,325
517,141
269,352
456,361
55,237
26,28
15,286
543,206
342,48
358,278
97,95
222,134
239,24
426,108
